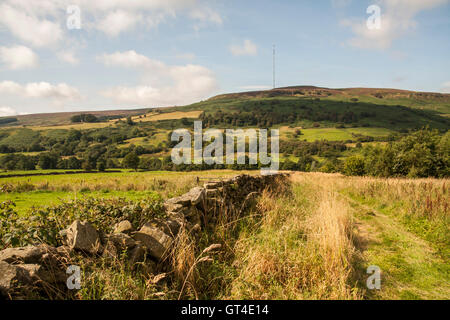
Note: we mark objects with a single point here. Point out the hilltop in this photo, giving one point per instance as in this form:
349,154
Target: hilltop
388,101
422,100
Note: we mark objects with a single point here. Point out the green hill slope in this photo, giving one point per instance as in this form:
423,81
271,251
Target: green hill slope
308,106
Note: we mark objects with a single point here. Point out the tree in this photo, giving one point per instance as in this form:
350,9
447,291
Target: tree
131,161
354,166
83,118
87,165
48,161
101,165
73,163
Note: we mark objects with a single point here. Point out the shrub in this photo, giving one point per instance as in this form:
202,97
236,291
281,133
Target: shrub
131,161
44,224
354,166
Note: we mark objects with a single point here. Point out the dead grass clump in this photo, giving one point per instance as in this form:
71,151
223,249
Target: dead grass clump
302,250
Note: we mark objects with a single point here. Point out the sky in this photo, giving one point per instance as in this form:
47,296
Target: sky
83,55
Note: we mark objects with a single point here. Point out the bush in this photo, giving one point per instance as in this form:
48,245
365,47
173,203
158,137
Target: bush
44,225
84,118
101,166
131,161
423,153
48,161
354,166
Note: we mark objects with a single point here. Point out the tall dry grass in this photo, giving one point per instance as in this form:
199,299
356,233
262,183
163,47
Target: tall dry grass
303,249
422,206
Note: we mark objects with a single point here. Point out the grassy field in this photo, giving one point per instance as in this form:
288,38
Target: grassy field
313,240
85,126
45,190
76,126
166,116
333,134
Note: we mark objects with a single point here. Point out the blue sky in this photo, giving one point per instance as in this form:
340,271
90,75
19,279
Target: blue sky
148,53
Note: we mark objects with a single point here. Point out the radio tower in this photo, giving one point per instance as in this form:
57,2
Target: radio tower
274,66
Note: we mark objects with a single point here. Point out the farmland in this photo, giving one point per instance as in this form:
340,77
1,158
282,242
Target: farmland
327,125
368,187
326,228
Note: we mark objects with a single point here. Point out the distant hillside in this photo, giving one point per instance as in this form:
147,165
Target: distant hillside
305,106
308,106
439,102
320,91
63,118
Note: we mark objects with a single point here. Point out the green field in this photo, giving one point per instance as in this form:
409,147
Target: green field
335,134
25,201
46,190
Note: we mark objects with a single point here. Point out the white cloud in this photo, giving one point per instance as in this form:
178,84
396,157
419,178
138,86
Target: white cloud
446,87
10,87
129,59
248,48
18,57
397,19
118,21
68,56
28,26
44,90
7,111
163,85
43,23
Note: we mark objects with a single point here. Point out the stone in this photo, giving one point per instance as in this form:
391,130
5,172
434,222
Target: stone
38,274
193,197
83,236
27,277
182,201
196,195
172,207
158,243
116,244
170,225
11,276
24,254
211,185
123,227
122,241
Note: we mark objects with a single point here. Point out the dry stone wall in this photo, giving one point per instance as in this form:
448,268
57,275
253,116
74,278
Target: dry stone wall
42,268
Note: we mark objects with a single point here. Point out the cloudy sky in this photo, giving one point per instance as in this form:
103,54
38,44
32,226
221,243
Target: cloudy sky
148,53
